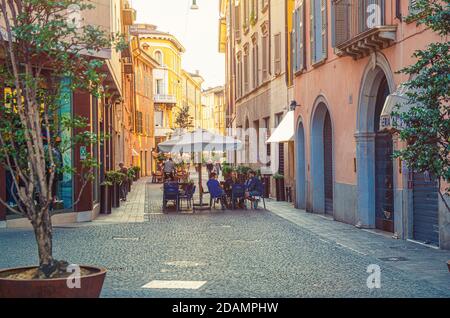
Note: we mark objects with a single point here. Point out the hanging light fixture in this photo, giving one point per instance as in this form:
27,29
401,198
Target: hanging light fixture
194,5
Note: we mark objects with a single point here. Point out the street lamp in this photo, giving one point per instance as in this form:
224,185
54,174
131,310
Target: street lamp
194,5
293,105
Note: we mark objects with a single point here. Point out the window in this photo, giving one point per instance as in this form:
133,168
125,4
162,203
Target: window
278,119
159,57
160,87
159,119
246,71
298,39
412,7
255,62
265,57
246,15
277,55
254,12
237,22
239,76
139,124
318,27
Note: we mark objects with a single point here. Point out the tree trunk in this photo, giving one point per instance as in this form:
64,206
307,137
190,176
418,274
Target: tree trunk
43,233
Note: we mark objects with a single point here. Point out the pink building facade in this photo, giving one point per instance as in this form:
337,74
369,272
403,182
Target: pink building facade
346,58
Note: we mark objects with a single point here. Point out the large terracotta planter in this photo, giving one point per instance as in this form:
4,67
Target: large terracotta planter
90,285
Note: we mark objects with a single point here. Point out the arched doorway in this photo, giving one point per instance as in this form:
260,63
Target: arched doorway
322,160
384,167
375,166
300,177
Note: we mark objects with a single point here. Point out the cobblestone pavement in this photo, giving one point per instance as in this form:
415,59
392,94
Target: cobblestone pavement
237,253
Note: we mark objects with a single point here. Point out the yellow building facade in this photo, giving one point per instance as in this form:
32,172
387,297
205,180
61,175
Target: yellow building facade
143,139
214,110
192,96
167,51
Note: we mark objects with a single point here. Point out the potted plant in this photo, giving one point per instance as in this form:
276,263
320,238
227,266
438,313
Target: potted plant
114,179
131,174
45,64
226,170
279,186
136,170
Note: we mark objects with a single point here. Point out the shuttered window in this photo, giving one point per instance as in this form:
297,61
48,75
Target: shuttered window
139,124
246,73
412,7
318,30
237,22
299,37
265,56
340,22
255,66
277,55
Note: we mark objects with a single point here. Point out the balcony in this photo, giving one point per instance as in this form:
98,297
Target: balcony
360,27
164,99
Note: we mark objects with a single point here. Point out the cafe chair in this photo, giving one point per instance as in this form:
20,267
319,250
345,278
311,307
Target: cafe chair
237,194
171,192
188,197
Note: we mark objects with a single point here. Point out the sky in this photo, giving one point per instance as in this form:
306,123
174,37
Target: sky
197,30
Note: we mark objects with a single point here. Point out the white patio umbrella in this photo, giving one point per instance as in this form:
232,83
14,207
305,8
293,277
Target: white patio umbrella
196,142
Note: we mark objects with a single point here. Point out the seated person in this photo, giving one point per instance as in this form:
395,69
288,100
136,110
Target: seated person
229,181
253,186
215,190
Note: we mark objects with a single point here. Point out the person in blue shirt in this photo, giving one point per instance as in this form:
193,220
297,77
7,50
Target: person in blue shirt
253,187
215,190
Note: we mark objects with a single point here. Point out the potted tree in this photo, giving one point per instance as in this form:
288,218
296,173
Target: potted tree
279,186
44,53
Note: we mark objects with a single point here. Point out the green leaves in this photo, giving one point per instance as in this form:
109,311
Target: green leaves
426,126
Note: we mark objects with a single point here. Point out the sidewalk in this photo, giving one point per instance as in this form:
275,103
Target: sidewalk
131,211
420,262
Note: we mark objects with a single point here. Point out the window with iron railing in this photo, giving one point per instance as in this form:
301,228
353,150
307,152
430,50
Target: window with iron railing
353,17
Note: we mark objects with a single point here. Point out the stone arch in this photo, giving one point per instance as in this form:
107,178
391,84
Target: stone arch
300,165
376,72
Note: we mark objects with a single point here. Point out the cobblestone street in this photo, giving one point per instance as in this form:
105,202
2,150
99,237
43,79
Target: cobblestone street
278,253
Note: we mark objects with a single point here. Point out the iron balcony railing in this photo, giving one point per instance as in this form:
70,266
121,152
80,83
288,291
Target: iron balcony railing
354,17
